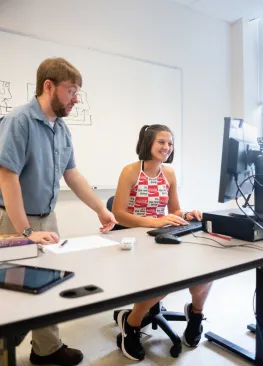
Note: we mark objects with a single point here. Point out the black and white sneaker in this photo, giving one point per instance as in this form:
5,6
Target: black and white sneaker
64,356
130,338
194,328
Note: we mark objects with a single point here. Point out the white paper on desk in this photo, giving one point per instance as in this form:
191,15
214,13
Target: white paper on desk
78,244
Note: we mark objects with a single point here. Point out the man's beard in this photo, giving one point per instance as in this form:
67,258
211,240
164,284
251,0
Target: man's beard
58,108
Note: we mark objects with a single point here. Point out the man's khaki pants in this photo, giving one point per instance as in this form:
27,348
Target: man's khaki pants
45,340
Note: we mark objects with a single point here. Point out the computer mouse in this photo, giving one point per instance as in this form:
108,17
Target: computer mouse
167,239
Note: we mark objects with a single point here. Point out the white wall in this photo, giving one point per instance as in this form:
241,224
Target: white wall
260,52
237,70
251,73
157,30
245,75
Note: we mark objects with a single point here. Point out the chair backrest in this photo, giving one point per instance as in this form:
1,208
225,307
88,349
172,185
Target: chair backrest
110,203
109,207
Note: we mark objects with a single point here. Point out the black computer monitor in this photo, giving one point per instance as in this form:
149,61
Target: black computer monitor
241,166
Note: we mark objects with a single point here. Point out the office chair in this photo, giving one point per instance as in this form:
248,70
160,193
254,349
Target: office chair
109,207
157,316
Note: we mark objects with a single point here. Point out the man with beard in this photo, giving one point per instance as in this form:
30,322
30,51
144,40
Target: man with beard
35,152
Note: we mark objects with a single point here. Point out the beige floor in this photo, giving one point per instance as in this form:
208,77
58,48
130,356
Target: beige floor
228,311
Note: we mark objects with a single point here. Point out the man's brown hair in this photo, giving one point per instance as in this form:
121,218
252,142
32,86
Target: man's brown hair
56,69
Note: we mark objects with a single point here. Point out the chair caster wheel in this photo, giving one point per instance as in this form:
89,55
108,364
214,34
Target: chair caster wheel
119,340
176,349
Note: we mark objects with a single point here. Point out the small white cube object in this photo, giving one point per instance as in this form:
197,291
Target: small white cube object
127,243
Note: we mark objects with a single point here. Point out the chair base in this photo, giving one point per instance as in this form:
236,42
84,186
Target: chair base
159,316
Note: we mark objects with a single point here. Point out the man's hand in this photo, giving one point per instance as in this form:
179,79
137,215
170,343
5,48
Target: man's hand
44,237
107,219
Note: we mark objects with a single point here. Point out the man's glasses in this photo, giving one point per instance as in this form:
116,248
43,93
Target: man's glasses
71,90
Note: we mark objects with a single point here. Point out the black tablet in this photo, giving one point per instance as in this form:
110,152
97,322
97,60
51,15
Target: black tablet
31,279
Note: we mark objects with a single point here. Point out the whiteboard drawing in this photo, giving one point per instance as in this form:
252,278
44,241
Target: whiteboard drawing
5,97
31,91
80,114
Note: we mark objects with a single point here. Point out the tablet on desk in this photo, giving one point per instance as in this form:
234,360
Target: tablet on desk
31,279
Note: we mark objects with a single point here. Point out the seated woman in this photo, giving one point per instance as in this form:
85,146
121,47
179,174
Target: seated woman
146,189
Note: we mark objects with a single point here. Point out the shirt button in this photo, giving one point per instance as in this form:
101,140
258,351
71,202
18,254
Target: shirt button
56,169
56,152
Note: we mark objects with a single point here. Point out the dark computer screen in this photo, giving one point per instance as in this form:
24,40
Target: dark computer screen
241,164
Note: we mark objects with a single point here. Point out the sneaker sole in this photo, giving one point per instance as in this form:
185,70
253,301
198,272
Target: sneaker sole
119,322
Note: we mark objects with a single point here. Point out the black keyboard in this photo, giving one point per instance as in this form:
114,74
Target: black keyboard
177,230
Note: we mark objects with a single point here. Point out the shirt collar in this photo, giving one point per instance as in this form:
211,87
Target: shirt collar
38,114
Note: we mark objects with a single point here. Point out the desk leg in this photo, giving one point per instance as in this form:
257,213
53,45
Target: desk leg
259,312
258,357
212,337
10,351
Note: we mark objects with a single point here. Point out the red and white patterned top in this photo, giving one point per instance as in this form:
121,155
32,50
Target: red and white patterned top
149,196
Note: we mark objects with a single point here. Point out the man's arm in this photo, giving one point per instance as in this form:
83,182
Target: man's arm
78,184
11,190
12,194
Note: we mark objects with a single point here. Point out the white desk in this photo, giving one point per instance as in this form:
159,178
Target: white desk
148,270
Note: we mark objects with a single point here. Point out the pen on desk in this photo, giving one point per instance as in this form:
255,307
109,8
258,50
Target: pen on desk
221,236
63,243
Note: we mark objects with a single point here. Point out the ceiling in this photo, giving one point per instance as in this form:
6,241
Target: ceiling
228,10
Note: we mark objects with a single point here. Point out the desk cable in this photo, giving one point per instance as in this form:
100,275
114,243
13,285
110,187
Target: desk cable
247,201
222,246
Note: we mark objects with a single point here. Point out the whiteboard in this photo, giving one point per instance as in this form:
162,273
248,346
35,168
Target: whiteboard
119,96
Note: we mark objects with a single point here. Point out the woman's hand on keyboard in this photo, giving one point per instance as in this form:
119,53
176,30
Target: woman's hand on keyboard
169,220
194,215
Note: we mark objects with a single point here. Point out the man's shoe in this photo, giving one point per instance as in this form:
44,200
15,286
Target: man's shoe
130,338
64,356
194,329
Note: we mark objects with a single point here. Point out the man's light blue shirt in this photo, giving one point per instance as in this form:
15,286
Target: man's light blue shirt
37,153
